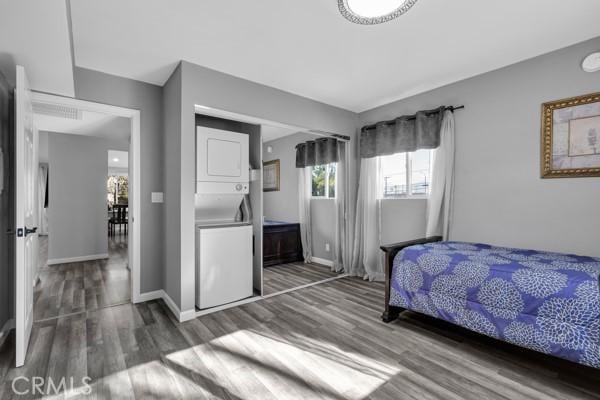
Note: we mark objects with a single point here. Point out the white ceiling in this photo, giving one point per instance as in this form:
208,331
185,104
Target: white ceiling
270,133
306,47
118,159
90,124
35,34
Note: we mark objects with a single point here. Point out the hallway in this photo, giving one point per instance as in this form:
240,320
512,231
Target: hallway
65,289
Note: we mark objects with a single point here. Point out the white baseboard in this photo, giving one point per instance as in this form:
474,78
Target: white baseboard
322,261
228,305
148,296
92,257
181,316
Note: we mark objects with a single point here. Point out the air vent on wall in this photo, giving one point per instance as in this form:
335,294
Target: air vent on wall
55,110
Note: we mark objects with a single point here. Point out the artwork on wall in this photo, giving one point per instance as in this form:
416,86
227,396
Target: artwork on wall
271,176
571,137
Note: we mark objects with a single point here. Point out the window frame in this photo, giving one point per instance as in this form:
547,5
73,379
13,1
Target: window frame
327,175
408,178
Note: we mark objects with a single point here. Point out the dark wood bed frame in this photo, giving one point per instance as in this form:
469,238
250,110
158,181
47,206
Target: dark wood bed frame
392,312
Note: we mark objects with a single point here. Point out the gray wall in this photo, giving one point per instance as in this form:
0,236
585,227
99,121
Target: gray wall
283,205
499,196
202,86
323,227
78,167
172,184
108,89
402,220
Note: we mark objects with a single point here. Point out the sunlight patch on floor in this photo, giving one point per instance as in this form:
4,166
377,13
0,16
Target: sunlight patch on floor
294,366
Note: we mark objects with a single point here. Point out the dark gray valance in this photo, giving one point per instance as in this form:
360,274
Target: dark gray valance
316,152
404,134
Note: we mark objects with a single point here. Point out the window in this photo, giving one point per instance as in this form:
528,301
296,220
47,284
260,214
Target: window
406,174
117,190
323,180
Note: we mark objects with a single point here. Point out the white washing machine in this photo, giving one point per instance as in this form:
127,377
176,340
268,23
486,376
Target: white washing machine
223,264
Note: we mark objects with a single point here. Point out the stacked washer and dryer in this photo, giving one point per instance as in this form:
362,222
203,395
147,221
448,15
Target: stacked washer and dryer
223,216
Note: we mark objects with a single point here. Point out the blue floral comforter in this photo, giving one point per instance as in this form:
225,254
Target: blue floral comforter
547,302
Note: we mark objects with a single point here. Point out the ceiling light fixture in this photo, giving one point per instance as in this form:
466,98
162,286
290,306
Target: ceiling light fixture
115,160
372,12
591,63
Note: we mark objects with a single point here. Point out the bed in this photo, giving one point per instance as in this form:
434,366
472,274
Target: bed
281,243
548,302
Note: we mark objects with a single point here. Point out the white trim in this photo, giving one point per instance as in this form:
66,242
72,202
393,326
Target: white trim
181,316
149,296
335,278
216,112
322,261
67,260
228,305
135,161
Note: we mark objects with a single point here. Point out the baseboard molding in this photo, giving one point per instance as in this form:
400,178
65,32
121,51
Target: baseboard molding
181,316
322,261
149,296
228,305
92,257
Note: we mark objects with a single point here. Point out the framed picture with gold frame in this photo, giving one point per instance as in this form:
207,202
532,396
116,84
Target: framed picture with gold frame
271,177
571,137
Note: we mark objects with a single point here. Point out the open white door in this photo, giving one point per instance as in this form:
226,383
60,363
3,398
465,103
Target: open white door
26,163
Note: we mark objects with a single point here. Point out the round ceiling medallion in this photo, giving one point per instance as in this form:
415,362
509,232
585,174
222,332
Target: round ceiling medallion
591,63
372,12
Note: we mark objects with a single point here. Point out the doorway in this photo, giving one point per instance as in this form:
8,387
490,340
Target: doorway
107,274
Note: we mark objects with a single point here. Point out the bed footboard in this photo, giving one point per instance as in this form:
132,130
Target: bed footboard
390,312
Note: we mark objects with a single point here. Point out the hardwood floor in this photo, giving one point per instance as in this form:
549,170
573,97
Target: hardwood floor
292,275
321,342
82,286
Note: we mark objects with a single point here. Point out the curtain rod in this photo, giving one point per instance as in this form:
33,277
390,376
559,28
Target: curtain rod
393,121
337,136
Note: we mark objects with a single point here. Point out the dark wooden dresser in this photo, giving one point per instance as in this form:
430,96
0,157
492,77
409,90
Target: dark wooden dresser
281,243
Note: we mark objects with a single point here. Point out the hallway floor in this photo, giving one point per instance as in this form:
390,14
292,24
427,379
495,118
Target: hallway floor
82,286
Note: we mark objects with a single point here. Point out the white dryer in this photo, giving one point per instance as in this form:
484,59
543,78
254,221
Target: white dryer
223,242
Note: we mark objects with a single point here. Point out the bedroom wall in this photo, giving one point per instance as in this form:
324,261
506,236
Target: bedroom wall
109,89
283,204
78,167
499,196
206,87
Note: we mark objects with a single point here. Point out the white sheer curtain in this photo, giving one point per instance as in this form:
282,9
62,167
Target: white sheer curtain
367,258
305,193
42,211
439,205
341,255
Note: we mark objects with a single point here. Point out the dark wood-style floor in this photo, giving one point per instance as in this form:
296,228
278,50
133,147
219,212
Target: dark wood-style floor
82,286
321,342
292,275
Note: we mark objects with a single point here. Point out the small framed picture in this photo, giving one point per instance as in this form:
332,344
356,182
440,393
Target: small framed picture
571,137
271,176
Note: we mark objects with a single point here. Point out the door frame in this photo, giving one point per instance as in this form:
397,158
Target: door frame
134,247
235,116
